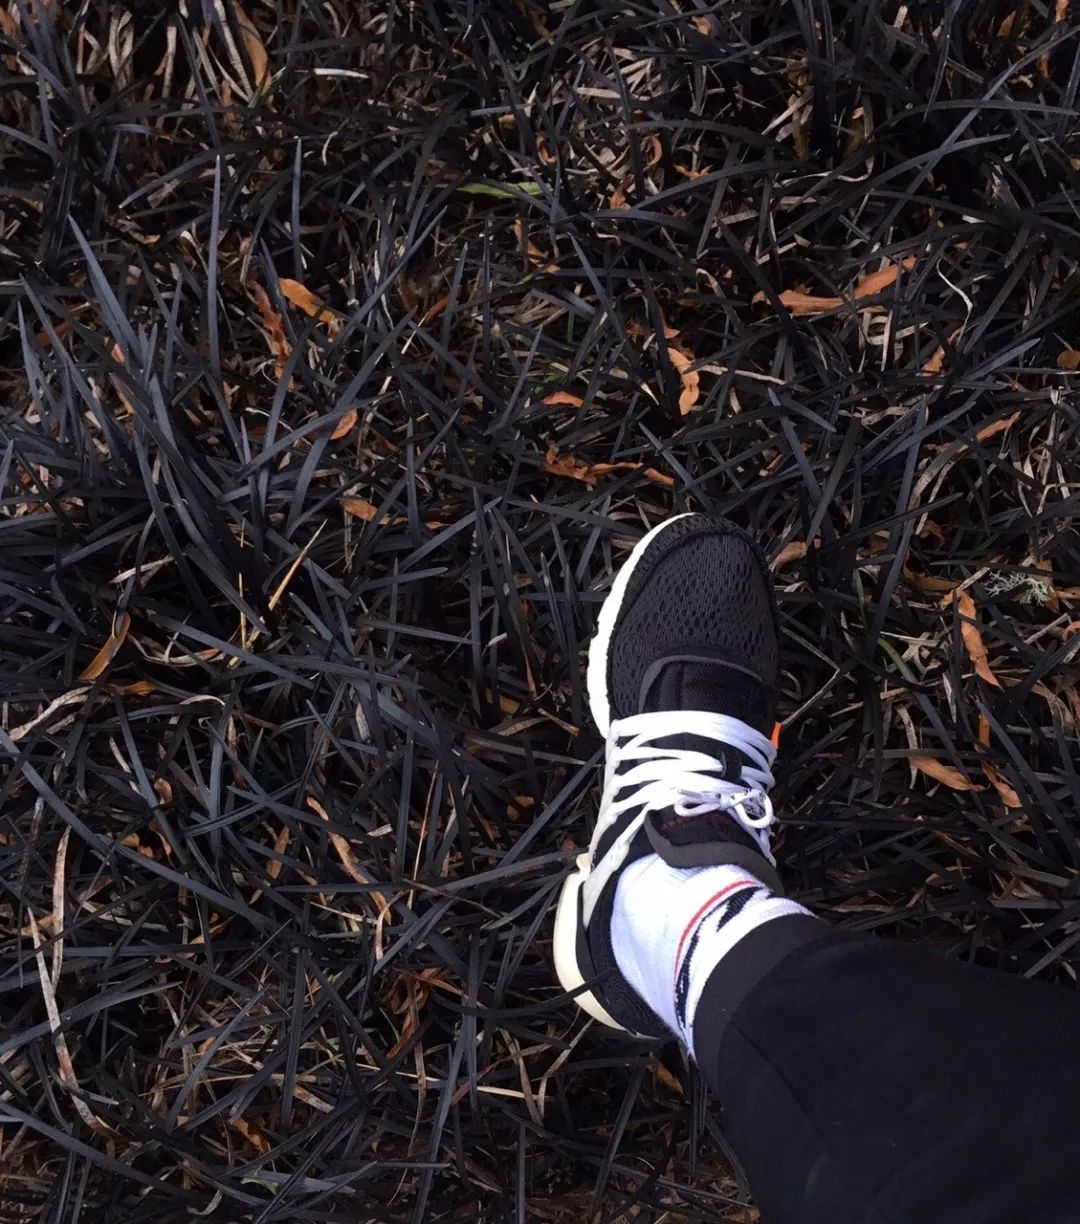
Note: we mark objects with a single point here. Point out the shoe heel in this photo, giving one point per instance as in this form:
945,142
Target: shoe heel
568,928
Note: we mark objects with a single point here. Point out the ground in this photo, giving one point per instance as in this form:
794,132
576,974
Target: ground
345,350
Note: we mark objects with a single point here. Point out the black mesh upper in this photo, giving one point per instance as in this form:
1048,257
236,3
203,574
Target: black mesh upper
701,585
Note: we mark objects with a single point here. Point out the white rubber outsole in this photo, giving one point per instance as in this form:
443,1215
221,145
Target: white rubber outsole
568,911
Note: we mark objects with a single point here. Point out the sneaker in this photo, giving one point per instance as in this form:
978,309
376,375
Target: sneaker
682,681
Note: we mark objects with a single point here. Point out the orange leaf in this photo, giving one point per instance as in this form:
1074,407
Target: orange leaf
348,859
805,303
998,427
795,551
1008,795
310,303
568,465
434,310
682,361
344,425
971,634
876,282
945,774
272,327
107,653
253,45
1069,359
924,582
563,397
254,1137
361,509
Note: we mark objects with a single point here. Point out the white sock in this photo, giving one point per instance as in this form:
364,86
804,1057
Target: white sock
671,926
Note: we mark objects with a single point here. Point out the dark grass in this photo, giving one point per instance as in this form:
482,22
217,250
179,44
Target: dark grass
278,877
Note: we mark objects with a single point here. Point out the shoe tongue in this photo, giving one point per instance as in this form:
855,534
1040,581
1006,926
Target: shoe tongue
700,681
697,681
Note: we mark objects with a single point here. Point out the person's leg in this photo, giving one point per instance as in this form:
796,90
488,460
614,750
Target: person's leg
860,1080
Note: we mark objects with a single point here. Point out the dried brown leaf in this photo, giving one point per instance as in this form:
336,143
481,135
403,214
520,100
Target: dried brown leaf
272,327
254,1137
925,582
310,303
1069,359
563,397
1009,797
806,303
360,508
998,427
570,466
347,422
971,634
877,282
348,858
107,653
682,361
253,46
793,551
945,774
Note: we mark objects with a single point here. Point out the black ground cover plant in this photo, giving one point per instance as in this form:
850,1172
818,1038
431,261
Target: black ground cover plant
345,350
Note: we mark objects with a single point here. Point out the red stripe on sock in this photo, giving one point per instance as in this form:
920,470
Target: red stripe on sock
701,913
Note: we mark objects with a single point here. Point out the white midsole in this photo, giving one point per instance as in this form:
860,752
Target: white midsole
568,911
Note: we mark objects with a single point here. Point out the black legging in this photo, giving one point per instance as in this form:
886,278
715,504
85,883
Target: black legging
864,1081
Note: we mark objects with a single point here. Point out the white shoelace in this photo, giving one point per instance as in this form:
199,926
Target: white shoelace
685,779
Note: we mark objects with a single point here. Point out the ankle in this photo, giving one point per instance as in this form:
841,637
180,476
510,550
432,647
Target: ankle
671,928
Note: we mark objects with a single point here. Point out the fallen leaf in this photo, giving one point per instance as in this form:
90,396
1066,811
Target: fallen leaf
1061,12
682,362
997,427
434,310
794,551
660,477
138,688
107,653
572,467
272,327
804,303
1069,359
344,425
1009,797
618,196
536,256
310,303
971,634
563,397
945,774
703,25
359,508
348,859
876,282
934,364
925,582
254,1137
253,45
689,172
662,1075
799,303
